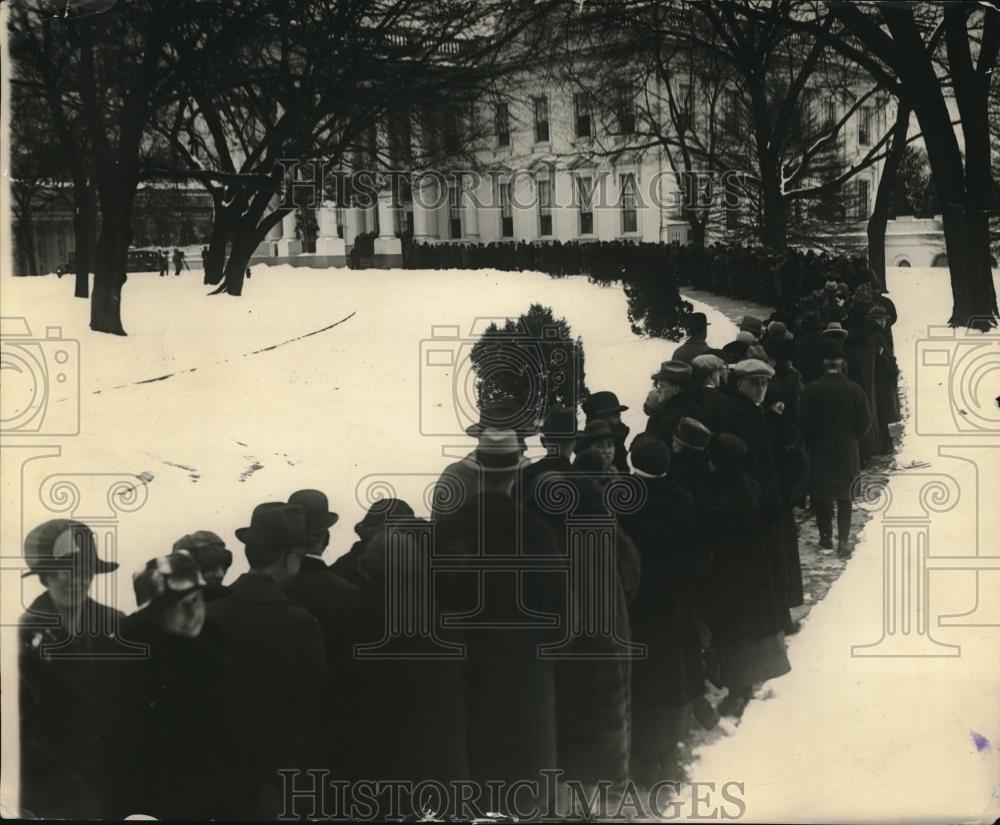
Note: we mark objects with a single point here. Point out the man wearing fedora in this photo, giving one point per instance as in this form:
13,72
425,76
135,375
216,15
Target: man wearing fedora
69,690
697,326
670,400
331,599
510,687
834,419
604,406
274,649
461,480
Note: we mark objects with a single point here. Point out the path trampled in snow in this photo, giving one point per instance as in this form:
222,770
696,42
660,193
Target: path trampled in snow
840,738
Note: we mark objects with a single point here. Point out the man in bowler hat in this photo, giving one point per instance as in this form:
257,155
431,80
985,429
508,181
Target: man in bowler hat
604,406
274,649
697,326
327,596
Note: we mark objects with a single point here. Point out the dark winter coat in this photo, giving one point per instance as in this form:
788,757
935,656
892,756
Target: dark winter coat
664,612
861,348
788,463
808,357
747,421
663,419
69,710
691,349
834,418
689,470
715,405
593,686
333,601
278,666
743,603
181,763
408,717
510,689
526,489
347,565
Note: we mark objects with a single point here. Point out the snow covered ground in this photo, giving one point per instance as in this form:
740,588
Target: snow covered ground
325,378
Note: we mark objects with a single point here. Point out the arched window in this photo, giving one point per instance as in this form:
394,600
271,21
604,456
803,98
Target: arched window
940,259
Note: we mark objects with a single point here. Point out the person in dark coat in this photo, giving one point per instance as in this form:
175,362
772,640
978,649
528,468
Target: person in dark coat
749,423
709,374
807,347
604,406
510,688
861,348
689,464
670,400
886,380
744,608
274,651
408,718
834,418
663,615
329,598
783,428
593,680
212,557
461,480
373,523
69,689
559,433
180,763
695,345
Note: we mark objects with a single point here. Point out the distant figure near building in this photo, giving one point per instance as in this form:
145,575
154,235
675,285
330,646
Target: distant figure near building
164,263
178,261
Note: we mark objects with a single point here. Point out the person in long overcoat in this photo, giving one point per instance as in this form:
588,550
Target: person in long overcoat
783,428
408,717
834,418
559,433
274,651
180,758
861,349
69,687
886,380
749,423
689,462
510,688
593,681
664,615
329,598
744,608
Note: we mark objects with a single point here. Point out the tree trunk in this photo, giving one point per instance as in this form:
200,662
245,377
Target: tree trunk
110,261
879,218
85,234
774,229
247,232
222,229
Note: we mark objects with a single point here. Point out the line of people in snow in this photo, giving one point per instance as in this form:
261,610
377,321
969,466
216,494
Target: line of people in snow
261,675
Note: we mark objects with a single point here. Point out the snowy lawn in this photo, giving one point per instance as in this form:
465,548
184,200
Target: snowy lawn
250,406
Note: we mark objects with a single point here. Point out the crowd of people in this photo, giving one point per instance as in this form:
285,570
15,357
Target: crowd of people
239,681
779,278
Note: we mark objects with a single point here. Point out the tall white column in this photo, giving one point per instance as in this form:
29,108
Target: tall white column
328,243
289,245
387,243
471,216
424,218
354,223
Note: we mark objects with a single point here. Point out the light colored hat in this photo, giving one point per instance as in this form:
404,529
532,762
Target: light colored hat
835,330
745,337
167,579
751,368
